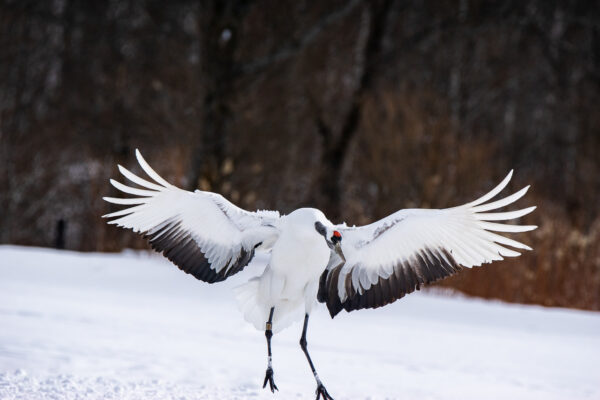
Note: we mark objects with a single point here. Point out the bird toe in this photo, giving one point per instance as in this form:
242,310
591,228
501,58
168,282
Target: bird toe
269,379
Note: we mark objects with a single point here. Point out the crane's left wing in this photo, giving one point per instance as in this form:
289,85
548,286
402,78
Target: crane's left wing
201,232
397,254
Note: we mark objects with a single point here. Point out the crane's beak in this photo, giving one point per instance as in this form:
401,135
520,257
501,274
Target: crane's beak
338,249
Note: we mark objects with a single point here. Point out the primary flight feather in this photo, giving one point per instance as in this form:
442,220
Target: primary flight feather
312,259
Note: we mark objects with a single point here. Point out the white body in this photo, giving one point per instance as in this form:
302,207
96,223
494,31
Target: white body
291,280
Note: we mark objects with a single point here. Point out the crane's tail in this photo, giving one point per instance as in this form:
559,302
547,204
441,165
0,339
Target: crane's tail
247,299
255,302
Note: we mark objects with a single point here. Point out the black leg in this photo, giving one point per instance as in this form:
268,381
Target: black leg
269,335
321,391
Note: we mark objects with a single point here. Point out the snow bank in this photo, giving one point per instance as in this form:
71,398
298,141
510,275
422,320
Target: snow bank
132,326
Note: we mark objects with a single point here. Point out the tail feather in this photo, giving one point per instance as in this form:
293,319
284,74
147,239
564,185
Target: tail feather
255,304
247,298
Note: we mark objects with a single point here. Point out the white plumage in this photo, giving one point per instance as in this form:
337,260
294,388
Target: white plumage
311,258
374,251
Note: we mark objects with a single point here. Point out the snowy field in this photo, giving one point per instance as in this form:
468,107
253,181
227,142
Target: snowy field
132,326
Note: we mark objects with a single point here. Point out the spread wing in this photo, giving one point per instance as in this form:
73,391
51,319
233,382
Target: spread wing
397,254
201,232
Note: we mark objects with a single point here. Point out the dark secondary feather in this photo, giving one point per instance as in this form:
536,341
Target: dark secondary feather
425,266
179,246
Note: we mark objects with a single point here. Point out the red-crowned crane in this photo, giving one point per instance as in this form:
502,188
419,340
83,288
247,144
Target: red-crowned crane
312,259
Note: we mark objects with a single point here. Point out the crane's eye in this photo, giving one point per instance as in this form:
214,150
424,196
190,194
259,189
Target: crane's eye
337,237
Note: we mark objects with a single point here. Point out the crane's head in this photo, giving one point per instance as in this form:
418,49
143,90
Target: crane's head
332,237
304,220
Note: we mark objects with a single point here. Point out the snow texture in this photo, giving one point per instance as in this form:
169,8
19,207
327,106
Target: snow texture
132,326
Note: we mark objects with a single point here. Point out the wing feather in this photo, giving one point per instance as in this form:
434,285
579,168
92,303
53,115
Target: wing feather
201,232
491,226
503,216
398,254
148,170
137,180
130,190
494,192
131,201
501,203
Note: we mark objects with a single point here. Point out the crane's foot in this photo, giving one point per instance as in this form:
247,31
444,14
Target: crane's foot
321,391
269,379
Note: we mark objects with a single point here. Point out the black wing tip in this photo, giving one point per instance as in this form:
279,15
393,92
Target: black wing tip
425,268
334,311
328,291
182,250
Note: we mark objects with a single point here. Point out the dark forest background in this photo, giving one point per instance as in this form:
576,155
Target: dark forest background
356,107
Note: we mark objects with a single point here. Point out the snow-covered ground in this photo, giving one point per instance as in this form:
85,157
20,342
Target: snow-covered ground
132,326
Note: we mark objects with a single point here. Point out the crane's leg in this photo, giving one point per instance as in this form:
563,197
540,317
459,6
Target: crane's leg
321,391
269,335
